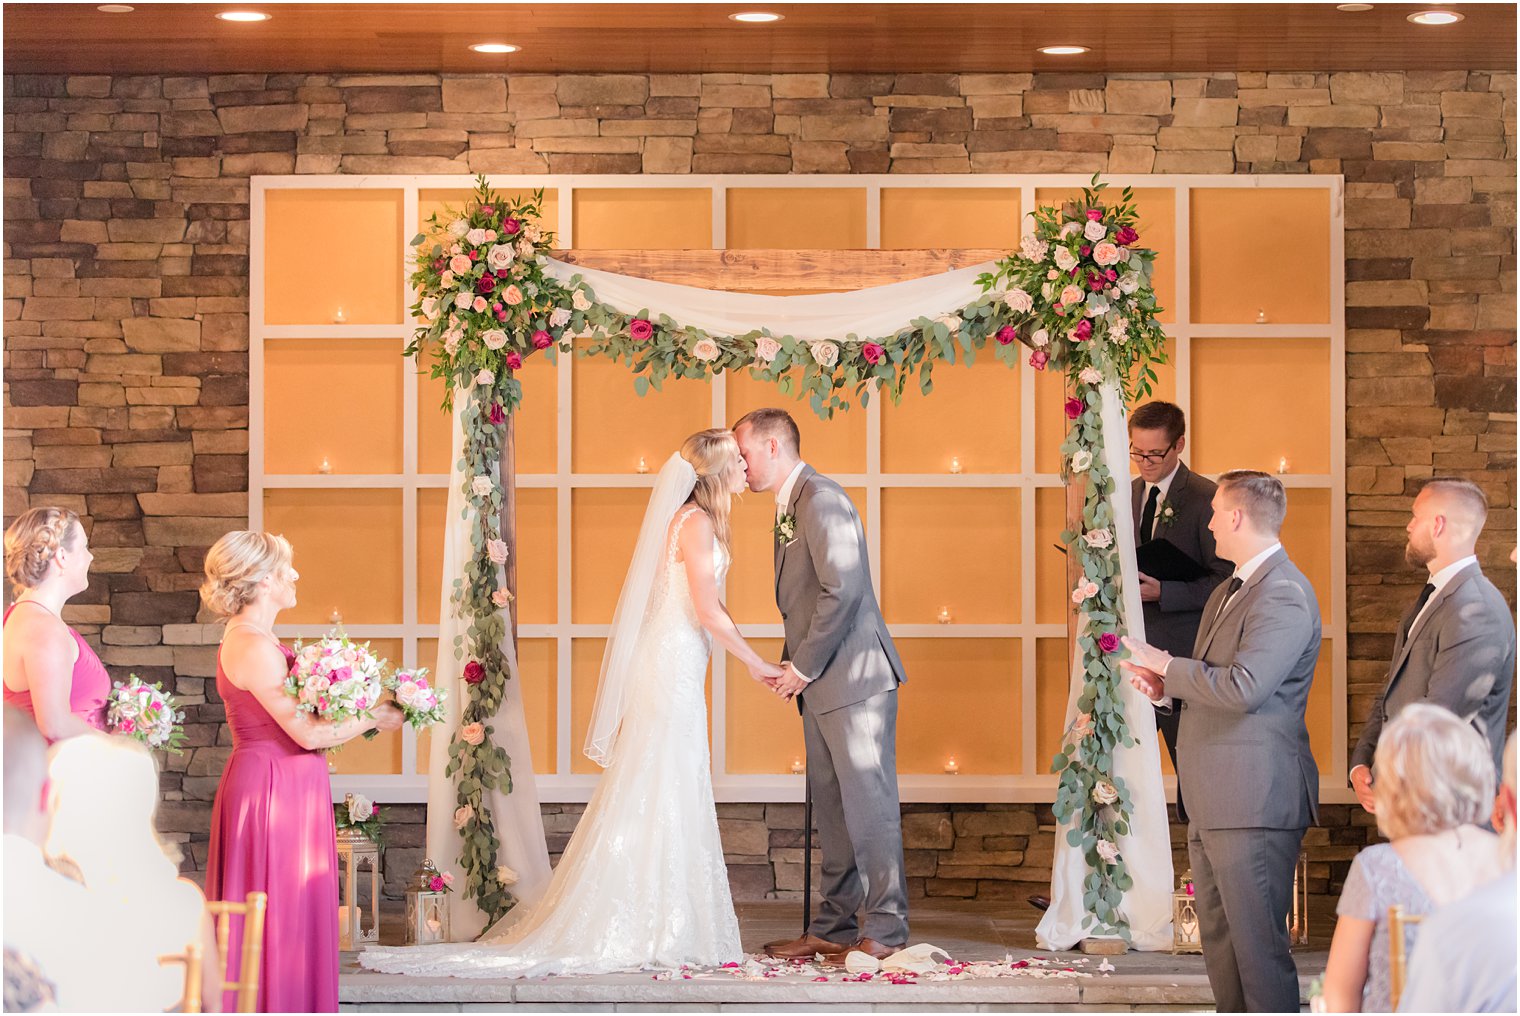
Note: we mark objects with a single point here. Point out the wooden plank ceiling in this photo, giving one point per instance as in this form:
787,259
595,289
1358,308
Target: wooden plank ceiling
165,38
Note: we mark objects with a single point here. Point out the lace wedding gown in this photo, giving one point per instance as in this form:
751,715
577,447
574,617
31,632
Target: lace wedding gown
642,883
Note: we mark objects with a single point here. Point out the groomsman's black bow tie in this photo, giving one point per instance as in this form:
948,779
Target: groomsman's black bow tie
1419,605
1148,517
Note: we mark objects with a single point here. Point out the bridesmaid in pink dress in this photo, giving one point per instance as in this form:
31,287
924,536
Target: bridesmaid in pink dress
272,822
51,673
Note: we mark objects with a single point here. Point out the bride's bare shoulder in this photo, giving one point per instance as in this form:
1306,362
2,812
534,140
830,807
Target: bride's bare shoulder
691,522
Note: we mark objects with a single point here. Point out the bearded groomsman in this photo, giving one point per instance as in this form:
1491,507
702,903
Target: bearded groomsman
1172,503
1456,646
1251,782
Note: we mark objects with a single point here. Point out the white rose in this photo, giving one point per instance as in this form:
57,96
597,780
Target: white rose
524,248
559,318
826,354
406,692
463,300
485,378
506,876
1019,301
499,256
451,340
458,228
446,279
475,237
1045,290
705,350
1129,282
1081,461
1097,306
1106,254
462,816
482,486
360,809
1099,539
766,349
950,321
1070,228
579,301
494,339
1105,792
1071,296
1040,339
1065,260
496,550
1094,231
430,307
1112,292
1108,850
1090,376
533,234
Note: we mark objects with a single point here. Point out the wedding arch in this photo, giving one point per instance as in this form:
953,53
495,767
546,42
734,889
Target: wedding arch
1076,296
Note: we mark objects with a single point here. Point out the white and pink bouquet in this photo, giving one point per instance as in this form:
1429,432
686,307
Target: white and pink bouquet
336,679
146,713
419,700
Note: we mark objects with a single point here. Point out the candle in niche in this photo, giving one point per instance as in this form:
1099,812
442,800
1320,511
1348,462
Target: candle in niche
325,467
335,617
798,768
1261,315
1282,464
955,464
952,767
340,318
643,466
944,616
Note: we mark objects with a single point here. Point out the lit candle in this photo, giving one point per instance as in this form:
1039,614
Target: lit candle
1261,315
325,467
643,466
340,318
1282,464
797,767
955,464
952,767
944,616
335,617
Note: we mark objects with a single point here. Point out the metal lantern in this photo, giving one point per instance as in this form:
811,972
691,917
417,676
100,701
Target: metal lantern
1298,914
427,911
354,851
1186,936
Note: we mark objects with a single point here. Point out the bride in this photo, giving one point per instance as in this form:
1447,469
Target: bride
642,883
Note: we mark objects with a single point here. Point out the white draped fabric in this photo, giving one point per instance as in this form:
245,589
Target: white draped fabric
519,822
1147,850
873,312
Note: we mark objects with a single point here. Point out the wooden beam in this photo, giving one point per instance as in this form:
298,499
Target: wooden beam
761,271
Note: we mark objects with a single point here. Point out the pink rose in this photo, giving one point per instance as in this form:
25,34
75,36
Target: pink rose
448,878
1071,295
436,884
873,353
1095,215
479,304
459,264
542,339
474,673
501,597
1108,642
512,296
472,733
639,330
1106,254
514,361
1074,408
1126,236
1006,335
127,726
1038,359
1083,331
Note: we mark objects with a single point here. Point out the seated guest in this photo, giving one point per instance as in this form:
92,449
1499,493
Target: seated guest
1434,782
1456,645
104,794
1465,958
51,673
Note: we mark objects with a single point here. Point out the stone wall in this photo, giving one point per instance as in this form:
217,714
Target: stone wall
126,299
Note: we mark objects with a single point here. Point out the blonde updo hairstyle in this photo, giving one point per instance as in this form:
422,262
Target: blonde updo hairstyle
34,540
1432,772
711,453
236,564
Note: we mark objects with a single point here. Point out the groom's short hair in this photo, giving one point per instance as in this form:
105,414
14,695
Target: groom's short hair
769,422
1260,495
1159,415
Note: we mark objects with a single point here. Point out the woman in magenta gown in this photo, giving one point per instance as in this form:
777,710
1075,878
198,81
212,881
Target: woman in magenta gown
51,673
272,822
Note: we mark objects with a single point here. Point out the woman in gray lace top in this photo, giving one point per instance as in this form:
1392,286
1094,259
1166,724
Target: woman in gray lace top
1433,782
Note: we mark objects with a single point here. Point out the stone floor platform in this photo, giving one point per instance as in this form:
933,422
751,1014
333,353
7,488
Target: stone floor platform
979,933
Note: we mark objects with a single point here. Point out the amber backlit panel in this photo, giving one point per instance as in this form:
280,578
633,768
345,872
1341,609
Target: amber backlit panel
538,666
832,446
1306,535
1157,227
971,415
1260,250
644,218
537,577
585,669
763,733
347,550
537,437
1050,415
950,548
446,202
826,218
1259,401
382,753
1052,661
751,593
333,399
301,287
613,427
1052,599
962,699
949,217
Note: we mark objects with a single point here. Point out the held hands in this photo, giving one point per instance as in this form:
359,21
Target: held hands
789,684
766,673
1150,589
1147,668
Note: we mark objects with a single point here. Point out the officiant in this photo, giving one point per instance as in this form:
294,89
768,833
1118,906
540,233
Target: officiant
1175,552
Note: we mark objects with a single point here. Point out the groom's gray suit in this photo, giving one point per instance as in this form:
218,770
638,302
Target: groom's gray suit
836,637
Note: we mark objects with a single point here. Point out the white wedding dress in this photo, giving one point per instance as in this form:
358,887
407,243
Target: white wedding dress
642,884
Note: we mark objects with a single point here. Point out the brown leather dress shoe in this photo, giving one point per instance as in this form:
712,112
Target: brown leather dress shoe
869,946
804,948
1040,902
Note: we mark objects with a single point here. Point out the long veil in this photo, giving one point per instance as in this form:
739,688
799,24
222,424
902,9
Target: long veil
672,487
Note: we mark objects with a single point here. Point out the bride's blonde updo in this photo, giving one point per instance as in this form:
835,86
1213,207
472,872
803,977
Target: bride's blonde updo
236,564
711,453
34,539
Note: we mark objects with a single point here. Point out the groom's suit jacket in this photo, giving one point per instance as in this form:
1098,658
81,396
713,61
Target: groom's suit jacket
1242,747
835,633
1172,622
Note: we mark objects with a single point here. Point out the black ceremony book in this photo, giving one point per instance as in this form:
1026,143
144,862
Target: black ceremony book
1161,560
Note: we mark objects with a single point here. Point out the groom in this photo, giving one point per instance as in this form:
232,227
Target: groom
844,671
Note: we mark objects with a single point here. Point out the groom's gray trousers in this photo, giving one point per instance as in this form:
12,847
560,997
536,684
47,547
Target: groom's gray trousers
852,772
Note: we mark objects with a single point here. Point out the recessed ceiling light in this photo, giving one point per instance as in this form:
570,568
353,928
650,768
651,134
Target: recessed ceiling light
494,47
1436,18
756,17
114,9
1353,8
1062,50
247,16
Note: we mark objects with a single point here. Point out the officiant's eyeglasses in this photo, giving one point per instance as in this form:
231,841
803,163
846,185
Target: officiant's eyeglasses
1152,456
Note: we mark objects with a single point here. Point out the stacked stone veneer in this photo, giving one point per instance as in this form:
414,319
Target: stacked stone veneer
126,229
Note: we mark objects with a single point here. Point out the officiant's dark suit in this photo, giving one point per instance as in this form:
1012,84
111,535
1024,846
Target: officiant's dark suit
1181,516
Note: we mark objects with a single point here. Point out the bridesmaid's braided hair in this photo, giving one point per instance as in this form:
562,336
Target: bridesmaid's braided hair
33,541
236,564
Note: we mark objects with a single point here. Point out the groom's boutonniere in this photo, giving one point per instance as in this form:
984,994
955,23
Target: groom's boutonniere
1166,514
786,528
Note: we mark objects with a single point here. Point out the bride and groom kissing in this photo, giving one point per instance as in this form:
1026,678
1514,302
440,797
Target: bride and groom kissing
642,883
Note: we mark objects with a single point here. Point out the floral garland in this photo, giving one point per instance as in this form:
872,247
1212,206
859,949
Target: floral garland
1077,293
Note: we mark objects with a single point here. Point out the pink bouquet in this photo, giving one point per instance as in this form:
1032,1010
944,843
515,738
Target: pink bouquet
336,679
420,701
146,713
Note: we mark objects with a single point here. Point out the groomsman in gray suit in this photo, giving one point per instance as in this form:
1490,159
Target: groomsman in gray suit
1172,503
843,670
1252,785
1456,646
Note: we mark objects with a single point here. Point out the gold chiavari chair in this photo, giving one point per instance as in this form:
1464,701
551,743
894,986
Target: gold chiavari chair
1398,959
252,913
191,958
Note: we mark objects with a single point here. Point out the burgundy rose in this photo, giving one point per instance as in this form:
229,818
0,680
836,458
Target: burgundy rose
1083,331
1111,275
1126,236
1095,283
873,353
474,255
1006,335
1074,407
1086,249
438,265
542,339
474,673
487,210
498,414
514,361
1108,642
639,329
1095,215
486,284
511,227
501,312
1038,359
502,273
